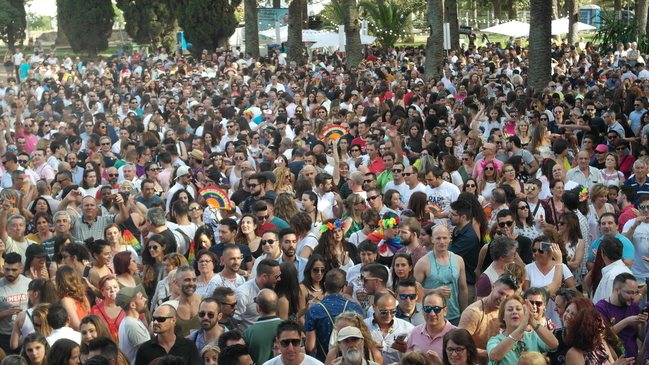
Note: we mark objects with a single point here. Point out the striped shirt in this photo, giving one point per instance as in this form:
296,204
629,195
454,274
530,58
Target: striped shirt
82,230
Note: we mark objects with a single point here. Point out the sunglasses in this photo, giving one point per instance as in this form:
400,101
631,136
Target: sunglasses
408,174
489,168
296,342
436,309
106,144
231,305
524,207
265,242
263,218
160,319
407,296
503,224
23,161
538,303
398,171
209,315
644,207
535,250
370,198
252,186
384,313
154,247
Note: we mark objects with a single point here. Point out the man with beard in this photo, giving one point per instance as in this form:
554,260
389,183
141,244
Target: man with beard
132,332
481,317
209,312
611,249
14,299
289,337
183,175
187,311
268,274
351,345
270,246
288,243
256,184
231,263
259,337
167,341
623,313
113,176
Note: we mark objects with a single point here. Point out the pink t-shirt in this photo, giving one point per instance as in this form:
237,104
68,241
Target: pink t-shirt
30,146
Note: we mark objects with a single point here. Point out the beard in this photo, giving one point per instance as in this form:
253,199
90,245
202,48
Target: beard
353,355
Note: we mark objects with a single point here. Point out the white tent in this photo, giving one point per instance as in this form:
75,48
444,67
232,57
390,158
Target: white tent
308,35
560,26
512,29
332,40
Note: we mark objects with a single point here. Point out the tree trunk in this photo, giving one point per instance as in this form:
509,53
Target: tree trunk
641,15
540,42
61,38
554,10
474,13
277,3
450,10
252,28
573,19
295,31
435,42
498,12
617,9
352,34
511,10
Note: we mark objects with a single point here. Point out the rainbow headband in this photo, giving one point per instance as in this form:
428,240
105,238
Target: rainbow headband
583,193
332,225
389,223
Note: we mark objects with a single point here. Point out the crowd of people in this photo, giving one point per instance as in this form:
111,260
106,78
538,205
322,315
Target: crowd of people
157,209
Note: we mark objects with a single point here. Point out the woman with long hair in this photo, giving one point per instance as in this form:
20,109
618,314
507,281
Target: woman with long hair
101,265
39,205
403,268
523,133
125,264
195,213
35,348
64,352
73,295
36,262
574,242
152,171
283,183
353,319
203,238
309,201
515,315
39,318
113,234
524,221
555,203
153,254
418,203
509,178
334,247
92,326
247,234
42,222
90,183
291,299
38,291
285,207
354,207
312,287
541,144
471,186
586,334
489,176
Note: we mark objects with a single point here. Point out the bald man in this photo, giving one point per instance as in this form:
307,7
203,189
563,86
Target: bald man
308,172
434,272
259,337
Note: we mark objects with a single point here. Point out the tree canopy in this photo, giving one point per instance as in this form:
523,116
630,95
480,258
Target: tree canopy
149,21
87,24
13,21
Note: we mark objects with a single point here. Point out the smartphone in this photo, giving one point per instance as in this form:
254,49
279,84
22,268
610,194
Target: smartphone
645,310
401,337
134,191
546,246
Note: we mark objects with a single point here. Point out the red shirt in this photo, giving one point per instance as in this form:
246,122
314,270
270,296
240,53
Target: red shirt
626,215
626,165
361,142
376,166
264,227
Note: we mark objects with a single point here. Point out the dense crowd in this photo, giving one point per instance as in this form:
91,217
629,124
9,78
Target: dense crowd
157,209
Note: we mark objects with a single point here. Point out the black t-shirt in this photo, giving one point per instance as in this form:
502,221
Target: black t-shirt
239,196
170,238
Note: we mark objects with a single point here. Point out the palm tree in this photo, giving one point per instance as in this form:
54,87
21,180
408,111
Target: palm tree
352,34
573,19
334,15
435,42
540,42
252,27
642,15
295,31
389,20
450,11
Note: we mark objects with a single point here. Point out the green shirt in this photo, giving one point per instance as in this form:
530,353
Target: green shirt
259,338
383,179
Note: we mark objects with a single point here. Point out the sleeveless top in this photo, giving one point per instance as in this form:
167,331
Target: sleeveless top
491,274
597,357
28,325
233,179
111,323
446,275
354,228
81,312
185,326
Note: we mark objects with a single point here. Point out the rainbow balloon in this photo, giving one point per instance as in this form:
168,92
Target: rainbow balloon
215,197
334,132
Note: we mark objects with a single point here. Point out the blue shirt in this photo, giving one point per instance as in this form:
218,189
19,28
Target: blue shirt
300,264
147,203
641,189
319,321
628,250
466,244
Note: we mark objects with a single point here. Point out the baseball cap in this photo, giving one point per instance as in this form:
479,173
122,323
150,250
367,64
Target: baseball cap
35,250
182,171
601,148
126,295
348,332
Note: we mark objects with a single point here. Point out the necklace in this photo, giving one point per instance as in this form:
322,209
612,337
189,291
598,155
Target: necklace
315,290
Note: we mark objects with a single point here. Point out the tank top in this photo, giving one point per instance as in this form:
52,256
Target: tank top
28,325
446,275
185,326
233,179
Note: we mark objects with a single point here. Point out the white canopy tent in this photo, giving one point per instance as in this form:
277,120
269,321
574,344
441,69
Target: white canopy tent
560,26
332,40
512,29
308,35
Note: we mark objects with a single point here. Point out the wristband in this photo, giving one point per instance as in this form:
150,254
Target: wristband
538,324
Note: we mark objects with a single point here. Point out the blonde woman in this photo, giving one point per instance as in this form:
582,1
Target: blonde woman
284,177
354,207
523,132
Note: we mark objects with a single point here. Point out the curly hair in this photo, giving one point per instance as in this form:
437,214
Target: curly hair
100,328
585,329
551,235
301,222
327,246
517,270
418,202
285,207
69,284
280,175
357,321
241,237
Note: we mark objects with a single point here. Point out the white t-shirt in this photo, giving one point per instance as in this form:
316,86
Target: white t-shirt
443,196
409,192
308,360
132,333
640,267
189,230
401,188
538,280
309,240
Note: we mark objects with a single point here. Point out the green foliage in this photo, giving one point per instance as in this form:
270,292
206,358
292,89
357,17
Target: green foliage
87,24
388,21
39,22
13,21
207,23
612,32
149,21
333,15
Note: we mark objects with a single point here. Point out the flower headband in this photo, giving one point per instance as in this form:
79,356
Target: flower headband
332,225
583,193
389,223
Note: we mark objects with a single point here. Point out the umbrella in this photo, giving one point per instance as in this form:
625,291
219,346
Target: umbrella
513,29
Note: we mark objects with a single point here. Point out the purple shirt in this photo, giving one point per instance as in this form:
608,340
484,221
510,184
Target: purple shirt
614,314
421,341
